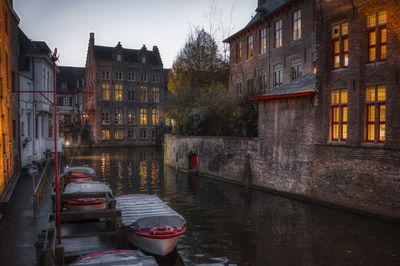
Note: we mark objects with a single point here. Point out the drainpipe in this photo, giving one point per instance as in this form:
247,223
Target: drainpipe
269,55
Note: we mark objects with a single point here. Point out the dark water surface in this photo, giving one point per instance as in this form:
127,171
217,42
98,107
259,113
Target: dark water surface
229,225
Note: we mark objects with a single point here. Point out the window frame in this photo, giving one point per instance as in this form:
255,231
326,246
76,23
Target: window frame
143,121
294,24
377,122
377,29
263,41
278,34
250,47
341,123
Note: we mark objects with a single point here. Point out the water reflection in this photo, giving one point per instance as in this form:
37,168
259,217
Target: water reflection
229,225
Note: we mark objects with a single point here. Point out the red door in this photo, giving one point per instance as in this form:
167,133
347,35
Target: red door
195,161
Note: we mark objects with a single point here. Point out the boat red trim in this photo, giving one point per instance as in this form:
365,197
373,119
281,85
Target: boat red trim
147,234
88,201
281,96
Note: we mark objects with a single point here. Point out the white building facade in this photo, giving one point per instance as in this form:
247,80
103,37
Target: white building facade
36,112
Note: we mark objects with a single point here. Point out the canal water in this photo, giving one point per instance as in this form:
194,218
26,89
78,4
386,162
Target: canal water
229,225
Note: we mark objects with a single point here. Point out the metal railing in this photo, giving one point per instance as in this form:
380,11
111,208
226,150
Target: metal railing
38,192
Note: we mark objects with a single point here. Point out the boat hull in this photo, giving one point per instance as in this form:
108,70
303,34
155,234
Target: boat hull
156,244
74,205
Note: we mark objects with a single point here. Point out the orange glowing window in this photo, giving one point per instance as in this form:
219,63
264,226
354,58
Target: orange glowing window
376,113
339,113
377,36
340,45
143,116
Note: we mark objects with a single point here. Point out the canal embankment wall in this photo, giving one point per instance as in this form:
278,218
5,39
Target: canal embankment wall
339,176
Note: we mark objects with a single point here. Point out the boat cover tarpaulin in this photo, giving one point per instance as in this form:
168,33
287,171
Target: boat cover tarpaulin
143,212
87,187
117,258
80,169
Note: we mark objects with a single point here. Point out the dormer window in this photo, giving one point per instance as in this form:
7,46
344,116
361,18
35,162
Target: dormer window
118,57
143,60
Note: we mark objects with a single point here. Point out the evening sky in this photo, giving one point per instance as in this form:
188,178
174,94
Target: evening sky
66,24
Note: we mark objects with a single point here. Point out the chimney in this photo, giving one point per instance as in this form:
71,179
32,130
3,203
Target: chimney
144,47
91,39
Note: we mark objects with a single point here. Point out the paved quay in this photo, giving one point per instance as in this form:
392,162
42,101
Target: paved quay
18,226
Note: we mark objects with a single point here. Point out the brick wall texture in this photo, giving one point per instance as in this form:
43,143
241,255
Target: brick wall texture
294,152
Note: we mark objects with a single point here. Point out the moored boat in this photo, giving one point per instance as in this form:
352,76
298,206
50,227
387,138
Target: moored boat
116,257
82,196
78,174
150,223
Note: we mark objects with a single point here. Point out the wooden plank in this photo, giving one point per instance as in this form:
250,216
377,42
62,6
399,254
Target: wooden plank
74,247
110,233
92,227
88,215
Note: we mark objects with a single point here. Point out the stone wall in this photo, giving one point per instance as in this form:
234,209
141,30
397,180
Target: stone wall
361,179
218,156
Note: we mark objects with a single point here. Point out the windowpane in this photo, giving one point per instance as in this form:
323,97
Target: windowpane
337,61
371,21
345,28
343,96
371,113
335,96
382,132
372,38
344,132
383,35
335,31
335,114
381,93
345,45
344,114
382,19
372,54
336,47
383,52
335,132
382,113
371,132
345,60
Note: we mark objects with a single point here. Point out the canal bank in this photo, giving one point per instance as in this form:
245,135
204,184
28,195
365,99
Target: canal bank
361,182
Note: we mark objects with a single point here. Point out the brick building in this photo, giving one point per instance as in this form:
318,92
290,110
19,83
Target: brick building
329,116
9,144
276,47
357,129
128,86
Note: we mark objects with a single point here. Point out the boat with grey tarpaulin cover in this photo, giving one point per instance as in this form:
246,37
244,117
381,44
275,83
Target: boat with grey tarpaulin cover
78,174
151,224
83,196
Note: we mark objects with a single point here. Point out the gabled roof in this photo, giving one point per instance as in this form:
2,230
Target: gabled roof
129,55
303,86
262,11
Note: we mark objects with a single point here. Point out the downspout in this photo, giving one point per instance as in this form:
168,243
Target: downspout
269,55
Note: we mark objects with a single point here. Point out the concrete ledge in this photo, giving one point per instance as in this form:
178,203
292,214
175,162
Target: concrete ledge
7,193
294,196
